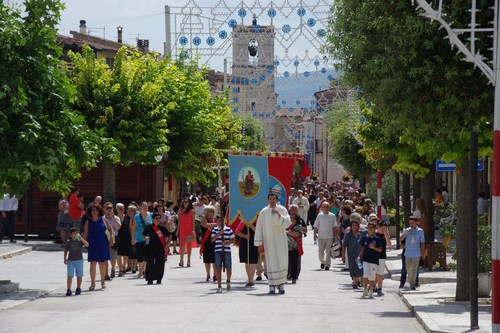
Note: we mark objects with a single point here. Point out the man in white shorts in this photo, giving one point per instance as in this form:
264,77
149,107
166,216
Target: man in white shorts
371,246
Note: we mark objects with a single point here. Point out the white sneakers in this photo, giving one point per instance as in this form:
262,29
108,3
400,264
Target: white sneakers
368,292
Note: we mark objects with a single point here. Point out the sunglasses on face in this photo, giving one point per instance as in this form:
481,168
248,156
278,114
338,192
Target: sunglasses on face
109,208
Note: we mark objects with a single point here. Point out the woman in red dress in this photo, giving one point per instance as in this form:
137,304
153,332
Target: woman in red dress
186,232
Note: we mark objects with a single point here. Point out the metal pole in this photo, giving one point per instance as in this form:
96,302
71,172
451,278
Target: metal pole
495,222
166,47
379,194
474,322
224,84
398,227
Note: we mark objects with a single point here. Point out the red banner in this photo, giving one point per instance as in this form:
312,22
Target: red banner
280,177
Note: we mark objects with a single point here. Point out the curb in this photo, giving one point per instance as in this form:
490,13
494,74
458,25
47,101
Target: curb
431,328
19,252
426,279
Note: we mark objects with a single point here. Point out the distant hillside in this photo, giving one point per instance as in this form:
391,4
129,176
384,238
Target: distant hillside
300,87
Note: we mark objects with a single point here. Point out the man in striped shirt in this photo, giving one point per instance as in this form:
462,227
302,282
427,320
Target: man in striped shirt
223,237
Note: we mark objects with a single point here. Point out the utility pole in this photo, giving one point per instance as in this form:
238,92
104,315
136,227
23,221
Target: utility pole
166,47
493,74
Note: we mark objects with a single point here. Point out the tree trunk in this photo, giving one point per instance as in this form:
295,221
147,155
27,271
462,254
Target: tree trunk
417,193
406,197
463,233
427,193
362,184
109,181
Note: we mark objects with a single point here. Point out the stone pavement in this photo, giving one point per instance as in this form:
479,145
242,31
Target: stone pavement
432,304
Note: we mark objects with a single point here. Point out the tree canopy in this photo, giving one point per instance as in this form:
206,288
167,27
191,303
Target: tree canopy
41,139
199,124
253,137
421,91
124,105
342,135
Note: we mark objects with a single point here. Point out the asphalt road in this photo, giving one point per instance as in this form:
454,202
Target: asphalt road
321,301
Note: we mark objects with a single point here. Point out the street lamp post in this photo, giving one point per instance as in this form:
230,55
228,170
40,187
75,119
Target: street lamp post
493,75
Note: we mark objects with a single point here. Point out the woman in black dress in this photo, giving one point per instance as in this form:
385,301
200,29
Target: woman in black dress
249,253
155,236
125,238
207,247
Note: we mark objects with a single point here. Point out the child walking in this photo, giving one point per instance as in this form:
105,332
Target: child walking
223,237
73,258
371,246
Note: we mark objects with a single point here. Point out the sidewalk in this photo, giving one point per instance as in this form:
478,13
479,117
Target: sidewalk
8,250
433,303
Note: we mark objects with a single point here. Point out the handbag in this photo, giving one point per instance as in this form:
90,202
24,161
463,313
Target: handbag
335,250
171,227
190,238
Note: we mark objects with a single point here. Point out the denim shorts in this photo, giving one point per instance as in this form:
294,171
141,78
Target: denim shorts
227,260
75,266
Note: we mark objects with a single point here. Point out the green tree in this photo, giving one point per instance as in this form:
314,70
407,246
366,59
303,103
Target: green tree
125,106
199,124
253,138
41,139
404,66
341,123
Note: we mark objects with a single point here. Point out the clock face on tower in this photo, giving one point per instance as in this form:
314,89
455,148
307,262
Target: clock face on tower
253,47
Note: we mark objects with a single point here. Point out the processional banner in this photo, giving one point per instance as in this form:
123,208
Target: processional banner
251,179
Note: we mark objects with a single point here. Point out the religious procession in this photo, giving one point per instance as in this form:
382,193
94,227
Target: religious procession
259,217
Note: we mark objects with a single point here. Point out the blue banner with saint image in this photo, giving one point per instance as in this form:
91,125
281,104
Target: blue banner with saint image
248,187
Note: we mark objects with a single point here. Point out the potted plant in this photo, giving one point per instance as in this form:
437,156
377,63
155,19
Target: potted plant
447,229
444,217
484,259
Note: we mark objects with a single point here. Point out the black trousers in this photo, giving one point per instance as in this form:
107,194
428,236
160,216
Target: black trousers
155,265
293,264
8,225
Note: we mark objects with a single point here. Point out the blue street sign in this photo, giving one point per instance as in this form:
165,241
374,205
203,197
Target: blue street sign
442,166
445,166
480,164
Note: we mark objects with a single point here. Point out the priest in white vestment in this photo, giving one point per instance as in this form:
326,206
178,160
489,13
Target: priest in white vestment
270,236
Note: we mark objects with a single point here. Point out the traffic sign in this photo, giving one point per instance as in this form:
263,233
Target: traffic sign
442,166
480,164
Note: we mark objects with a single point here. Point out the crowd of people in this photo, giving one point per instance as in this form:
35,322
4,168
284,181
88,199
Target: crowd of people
138,238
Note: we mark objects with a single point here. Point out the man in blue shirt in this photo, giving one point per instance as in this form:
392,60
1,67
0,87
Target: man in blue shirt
371,246
414,249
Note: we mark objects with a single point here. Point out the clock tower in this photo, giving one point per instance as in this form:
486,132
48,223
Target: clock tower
253,74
